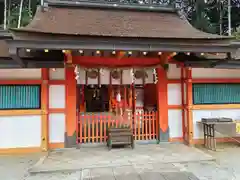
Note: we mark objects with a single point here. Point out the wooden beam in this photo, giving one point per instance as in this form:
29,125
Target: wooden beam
13,52
20,112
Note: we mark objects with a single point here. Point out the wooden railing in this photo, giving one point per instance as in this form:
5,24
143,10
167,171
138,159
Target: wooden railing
92,128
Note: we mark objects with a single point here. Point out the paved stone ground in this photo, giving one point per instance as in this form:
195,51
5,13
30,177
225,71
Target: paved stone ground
15,167
226,167
76,159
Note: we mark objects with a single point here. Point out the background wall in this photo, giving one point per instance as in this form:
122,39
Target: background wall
57,105
174,102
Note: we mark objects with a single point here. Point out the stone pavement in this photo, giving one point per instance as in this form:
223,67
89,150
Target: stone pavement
226,167
14,167
138,172
77,159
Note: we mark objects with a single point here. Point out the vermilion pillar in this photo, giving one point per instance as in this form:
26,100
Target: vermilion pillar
162,105
71,106
44,108
189,104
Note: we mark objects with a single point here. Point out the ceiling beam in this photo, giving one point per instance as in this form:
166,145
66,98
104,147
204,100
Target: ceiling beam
13,53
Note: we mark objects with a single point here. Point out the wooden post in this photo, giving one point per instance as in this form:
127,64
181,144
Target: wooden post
125,98
189,97
162,105
183,93
44,108
110,91
71,107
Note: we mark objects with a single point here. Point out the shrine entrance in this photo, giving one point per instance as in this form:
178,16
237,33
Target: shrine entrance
96,98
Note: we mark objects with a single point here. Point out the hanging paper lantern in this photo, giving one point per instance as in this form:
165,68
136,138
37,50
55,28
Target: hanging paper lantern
140,74
92,73
116,74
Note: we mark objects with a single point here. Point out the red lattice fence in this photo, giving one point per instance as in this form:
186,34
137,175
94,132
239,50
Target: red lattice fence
92,128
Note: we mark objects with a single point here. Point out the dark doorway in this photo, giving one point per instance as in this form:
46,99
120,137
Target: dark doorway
96,98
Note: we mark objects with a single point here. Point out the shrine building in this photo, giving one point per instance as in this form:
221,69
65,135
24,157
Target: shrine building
60,75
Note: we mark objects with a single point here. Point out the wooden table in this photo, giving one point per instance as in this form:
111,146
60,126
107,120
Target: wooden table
209,133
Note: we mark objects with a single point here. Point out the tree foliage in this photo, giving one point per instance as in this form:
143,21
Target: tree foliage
212,15
14,10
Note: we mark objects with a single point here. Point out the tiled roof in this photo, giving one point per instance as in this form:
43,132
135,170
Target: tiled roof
113,23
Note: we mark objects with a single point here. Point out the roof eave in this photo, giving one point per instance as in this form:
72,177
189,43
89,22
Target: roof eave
111,5
119,45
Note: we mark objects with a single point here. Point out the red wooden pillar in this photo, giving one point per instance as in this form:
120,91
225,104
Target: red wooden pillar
71,107
162,105
45,108
189,104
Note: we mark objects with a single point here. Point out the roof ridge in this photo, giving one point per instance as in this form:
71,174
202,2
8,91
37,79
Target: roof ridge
110,5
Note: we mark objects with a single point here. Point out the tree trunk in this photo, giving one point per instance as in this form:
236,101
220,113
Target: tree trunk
5,15
20,14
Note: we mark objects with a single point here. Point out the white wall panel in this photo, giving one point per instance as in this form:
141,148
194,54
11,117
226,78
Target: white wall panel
174,72
215,73
20,131
149,80
225,130
82,77
174,94
25,74
92,81
105,76
57,96
56,127
127,76
175,123
58,74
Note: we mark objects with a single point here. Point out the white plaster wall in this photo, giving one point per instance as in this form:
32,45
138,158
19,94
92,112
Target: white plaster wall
149,80
82,76
174,72
175,123
215,73
105,77
25,74
56,127
174,94
225,130
58,74
56,96
20,131
127,76
92,81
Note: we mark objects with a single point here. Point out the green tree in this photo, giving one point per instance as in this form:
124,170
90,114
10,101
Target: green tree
14,10
237,33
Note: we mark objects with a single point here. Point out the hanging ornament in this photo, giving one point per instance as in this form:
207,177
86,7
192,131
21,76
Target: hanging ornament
101,71
155,76
132,75
77,72
116,74
92,73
